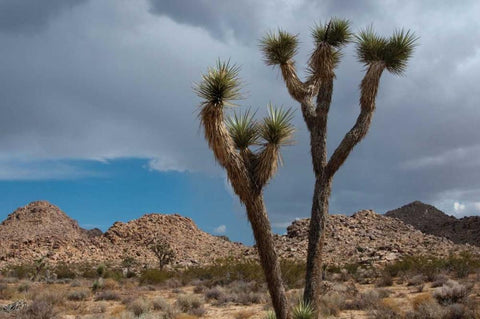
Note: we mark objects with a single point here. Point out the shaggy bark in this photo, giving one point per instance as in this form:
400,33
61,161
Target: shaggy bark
248,174
316,118
257,216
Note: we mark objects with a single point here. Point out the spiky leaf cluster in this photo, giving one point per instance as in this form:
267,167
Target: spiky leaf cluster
279,48
336,33
220,85
276,128
399,50
303,310
394,51
243,129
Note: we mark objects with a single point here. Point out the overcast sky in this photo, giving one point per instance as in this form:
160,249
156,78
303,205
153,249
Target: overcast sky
84,81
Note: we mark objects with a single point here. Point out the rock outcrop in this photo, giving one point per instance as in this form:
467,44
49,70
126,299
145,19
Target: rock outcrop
433,221
41,229
366,238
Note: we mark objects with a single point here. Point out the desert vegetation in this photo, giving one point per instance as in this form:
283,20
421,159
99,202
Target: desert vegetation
414,287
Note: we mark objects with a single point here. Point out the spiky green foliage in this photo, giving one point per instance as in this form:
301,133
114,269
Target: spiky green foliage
220,85
399,49
303,310
336,32
370,46
276,128
394,51
243,129
270,315
278,48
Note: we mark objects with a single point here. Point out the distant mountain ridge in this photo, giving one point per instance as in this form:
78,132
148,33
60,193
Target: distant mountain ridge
41,229
431,220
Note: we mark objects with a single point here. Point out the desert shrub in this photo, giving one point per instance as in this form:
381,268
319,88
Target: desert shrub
223,272
461,265
23,287
38,309
6,292
248,298
450,293
98,284
384,312
303,310
114,274
107,295
363,301
154,276
87,271
427,308
199,289
160,304
214,293
139,306
110,284
101,270
51,296
78,295
331,304
385,280
420,300
21,271
416,280
190,304
439,281
293,273
76,283
64,271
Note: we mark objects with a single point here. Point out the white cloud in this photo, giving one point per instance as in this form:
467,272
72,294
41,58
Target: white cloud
477,206
222,229
458,207
11,170
165,164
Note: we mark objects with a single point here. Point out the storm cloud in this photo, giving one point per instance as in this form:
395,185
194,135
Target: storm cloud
100,80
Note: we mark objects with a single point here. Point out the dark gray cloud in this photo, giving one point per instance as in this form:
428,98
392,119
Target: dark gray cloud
109,80
31,16
221,18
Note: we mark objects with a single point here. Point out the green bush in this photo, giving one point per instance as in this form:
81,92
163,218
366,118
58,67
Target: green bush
293,273
154,276
462,265
64,271
21,271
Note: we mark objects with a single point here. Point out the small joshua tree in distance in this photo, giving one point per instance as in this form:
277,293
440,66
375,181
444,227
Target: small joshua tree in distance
162,250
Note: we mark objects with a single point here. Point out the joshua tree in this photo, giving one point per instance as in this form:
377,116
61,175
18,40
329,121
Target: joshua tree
248,170
315,95
162,250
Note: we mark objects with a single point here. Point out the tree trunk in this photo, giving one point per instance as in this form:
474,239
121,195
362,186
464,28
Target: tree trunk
257,216
316,236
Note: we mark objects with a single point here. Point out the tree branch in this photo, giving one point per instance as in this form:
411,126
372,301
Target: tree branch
369,89
299,91
223,147
266,164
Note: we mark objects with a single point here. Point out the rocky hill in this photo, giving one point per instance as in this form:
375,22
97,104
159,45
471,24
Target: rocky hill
366,238
433,221
41,229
